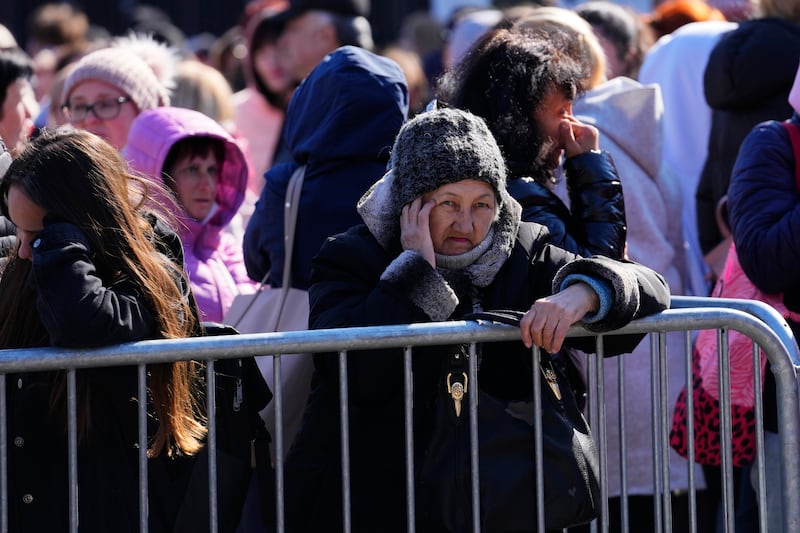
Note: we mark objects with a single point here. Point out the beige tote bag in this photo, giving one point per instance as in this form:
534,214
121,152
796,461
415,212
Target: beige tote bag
280,309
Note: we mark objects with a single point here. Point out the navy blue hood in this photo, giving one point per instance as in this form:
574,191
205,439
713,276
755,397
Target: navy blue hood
341,124
340,109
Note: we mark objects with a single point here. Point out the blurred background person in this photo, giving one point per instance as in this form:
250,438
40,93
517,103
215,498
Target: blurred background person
419,92
676,64
746,81
670,15
315,28
622,34
203,88
56,32
259,108
108,88
18,104
195,158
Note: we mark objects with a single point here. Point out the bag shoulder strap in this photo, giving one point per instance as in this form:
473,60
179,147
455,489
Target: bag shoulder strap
529,233
510,317
291,208
794,136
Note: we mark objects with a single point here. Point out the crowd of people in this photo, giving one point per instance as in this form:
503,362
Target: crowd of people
142,185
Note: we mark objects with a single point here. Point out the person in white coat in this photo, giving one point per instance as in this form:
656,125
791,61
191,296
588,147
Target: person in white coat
628,118
676,64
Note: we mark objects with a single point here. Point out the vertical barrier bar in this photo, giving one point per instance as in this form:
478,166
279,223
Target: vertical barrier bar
473,438
759,465
725,429
690,433
211,440
141,411
277,399
664,430
408,415
537,432
344,411
656,433
599,415
623,450
3,456
789,439
72,449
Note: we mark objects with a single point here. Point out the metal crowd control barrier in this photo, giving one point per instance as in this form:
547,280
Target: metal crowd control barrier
757,321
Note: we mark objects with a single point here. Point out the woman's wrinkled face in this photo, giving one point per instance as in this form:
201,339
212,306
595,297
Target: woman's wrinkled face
114,130
196,183
462,216
28,217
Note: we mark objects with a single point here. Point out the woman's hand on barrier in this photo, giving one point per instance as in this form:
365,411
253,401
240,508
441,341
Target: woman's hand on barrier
546,323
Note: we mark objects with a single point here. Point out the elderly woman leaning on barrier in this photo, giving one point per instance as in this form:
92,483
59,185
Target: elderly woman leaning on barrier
442,238
92,270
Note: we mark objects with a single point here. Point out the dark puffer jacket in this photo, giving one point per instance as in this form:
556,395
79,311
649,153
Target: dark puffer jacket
594,224
747,81
764,209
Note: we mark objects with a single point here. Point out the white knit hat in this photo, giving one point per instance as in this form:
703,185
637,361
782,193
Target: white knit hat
126,68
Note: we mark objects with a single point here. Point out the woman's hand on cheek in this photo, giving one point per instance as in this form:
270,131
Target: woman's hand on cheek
546,323
415,233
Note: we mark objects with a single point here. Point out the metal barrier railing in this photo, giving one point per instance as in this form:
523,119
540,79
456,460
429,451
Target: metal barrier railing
688,314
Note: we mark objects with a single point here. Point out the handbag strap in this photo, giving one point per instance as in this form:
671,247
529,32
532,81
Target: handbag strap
794,136
290,209
510,317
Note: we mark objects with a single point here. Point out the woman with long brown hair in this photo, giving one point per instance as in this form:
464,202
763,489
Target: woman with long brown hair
93,269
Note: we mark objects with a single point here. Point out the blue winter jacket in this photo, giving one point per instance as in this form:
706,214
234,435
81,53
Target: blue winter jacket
341,123
764,210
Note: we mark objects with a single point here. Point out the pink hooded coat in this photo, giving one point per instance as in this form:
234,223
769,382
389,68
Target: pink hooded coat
214,261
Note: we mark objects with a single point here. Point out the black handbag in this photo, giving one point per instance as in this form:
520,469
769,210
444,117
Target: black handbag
506,444
242,447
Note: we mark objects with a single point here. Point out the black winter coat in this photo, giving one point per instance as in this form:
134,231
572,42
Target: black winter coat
747,81
75,308
594,224
347,290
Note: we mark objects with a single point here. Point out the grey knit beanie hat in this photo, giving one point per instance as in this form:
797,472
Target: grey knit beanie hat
445,146
435,148
141,69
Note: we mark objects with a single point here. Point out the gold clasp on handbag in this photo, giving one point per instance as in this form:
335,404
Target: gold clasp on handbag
457,391
552,380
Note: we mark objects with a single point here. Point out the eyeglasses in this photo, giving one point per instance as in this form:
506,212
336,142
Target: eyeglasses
107,109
